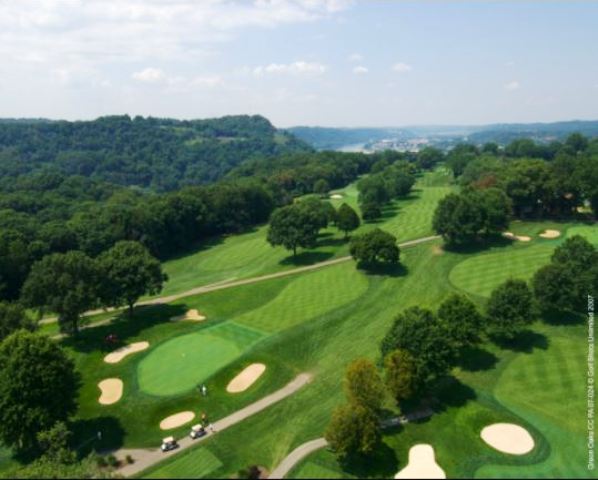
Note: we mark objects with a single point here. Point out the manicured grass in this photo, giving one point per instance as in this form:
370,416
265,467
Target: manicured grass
181,363
308,296
202,464
314,470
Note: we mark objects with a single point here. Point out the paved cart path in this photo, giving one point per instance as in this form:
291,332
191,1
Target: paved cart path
296,456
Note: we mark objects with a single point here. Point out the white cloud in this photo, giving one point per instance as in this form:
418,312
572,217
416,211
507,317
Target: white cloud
513,85
209,81
360,70
355,57
402,67
150,75
300,67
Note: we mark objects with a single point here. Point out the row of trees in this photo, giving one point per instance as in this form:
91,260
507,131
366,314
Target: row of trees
71,283
465,217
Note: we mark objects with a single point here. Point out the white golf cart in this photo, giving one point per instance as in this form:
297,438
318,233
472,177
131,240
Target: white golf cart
197,431
168,443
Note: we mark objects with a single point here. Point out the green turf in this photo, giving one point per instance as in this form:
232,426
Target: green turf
180,364
314,470
198,465
308,296
590,232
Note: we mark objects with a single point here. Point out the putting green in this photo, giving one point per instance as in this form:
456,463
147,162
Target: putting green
308,296
479,275
178,365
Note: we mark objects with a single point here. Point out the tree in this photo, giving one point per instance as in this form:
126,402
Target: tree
353,430
420,333
54,444
458,218
495,208
462,319
321,187
510,308
347,219
13,318
363,385
65,283
428,157
294,226
371,211
575,252
375,246
38,387
399,367
128,272
577,142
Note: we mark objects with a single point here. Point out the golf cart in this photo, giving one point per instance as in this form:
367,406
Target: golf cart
169,443
197,431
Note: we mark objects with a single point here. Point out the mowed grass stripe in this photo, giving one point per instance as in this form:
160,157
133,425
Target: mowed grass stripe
308,296
481,274
198,463
178,365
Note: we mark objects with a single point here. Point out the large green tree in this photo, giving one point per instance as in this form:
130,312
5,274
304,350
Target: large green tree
129,271
363,386
374,247
419,332
353,430
510,309
38,387
295,226
347,219
458,218
13,318
463,321
64,283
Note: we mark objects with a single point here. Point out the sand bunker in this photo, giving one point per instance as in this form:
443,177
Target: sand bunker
508,438
246,378
176,420
112,390
122,352
336,196
422,464
191,315
512,236
550,234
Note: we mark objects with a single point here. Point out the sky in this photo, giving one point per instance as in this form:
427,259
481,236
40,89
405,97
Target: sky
301,62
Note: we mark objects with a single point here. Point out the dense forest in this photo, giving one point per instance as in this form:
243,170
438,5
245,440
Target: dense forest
163,154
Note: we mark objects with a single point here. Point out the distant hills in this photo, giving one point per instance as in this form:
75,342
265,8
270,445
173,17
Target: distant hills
323,138
162,154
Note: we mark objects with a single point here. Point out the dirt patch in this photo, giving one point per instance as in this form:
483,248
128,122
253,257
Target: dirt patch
112,390
191,315
176,420
122,352
246,378
422,464
508,438
512,236
437,250
550,234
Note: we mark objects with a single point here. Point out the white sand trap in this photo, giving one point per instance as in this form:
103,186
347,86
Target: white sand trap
422,463
176,420
122,352
191,315
550,234
112,390
521,238
336,196
508,438
246,378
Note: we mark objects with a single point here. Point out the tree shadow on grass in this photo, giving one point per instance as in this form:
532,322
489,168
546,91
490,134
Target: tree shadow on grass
381,463
496,241
86,439
524,342
451,393
475,359
94,338
306,258
563,318
333,241
383,269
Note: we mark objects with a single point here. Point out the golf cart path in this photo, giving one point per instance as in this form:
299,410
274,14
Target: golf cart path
145,458
236,283
296,456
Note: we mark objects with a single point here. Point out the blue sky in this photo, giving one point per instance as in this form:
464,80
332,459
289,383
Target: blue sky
301,62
